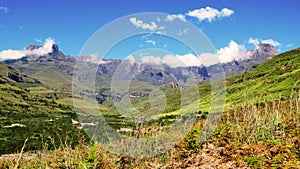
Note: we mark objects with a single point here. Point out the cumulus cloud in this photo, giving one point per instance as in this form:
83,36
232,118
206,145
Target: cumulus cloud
131,59
256,42
176,16
181,60
225,12
209,59
151,59
152,26
233,52
16,54
4,9
210,14
171,60
186,60
271,42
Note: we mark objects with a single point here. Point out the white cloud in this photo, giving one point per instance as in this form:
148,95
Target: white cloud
140,24
12,54
131,59
4,9
186,60
209,59
227,54
158,19
204,13
226,12
289,45
161,32
181,60
210,14
171,60
93,58
177,16
272,42
151,59
184,31
232,52
16,54
153,42
38,40
256,42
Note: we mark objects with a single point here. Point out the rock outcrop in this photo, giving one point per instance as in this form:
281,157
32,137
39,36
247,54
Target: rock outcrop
15,77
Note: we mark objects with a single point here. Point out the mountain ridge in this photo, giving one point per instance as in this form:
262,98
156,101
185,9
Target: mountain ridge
60,62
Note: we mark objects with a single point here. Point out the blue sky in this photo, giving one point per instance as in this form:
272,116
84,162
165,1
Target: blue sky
71,23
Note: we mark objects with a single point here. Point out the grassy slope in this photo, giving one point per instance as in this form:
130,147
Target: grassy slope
260,128
46,120
272,81
55,74
45,112
55,79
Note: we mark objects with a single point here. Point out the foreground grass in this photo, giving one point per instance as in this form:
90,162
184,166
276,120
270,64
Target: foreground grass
257,136
265,136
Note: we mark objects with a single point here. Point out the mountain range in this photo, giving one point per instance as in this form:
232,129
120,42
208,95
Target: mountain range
36,103
56,69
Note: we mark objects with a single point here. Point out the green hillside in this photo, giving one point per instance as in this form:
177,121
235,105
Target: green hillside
259,129
32,114
55,79
54,70
31,109
25,80
274,80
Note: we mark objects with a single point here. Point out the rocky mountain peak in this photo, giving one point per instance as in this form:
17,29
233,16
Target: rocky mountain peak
33,47
267,48
263,52
55,48
53,55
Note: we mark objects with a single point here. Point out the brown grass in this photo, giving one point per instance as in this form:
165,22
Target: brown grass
257,136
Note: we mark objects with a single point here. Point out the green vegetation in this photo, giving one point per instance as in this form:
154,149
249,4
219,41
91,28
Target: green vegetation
259,129
34,115
55,79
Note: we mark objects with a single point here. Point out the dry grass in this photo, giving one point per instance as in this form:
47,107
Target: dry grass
257,136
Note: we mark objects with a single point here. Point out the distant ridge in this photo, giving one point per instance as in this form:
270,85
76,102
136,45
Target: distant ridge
63,65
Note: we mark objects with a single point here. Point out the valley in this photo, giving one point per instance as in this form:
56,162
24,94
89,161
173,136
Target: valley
37,104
